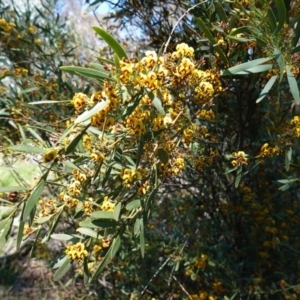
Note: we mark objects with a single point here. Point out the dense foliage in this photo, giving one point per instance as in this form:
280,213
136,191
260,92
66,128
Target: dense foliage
178,177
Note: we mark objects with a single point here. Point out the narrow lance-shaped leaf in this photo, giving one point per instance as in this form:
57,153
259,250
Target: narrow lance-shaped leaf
296,36
89,73
115,246
280,60
111,41
5,232
267,88
63,269
27,149
271,19
117,211
157,103
32,200
256,69
245,66
72,145
6,189
108,256
293,85
142,238
288,158
88,114
281,12
238,176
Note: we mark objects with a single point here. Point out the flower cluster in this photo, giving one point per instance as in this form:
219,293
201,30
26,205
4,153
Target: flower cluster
267,151
239,158
296,123
130,175
76,252
107,205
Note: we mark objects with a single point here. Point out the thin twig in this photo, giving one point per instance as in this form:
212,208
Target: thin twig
156,273
182,287
176,24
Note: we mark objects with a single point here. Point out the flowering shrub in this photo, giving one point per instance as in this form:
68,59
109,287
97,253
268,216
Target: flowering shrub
198,159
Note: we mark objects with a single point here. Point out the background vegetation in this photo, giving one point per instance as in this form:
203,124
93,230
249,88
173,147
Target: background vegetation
164,174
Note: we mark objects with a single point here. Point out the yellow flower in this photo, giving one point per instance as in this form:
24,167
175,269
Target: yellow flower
107,205
76,252
49,155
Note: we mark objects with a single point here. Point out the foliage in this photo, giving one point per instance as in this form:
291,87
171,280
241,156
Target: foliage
191,162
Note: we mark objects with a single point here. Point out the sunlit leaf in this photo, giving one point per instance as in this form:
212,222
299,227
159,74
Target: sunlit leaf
89,73
245,66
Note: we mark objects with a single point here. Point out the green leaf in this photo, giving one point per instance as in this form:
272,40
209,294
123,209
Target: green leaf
221,12
61,236
212,40
245,66
20,234
63,269
89,232
35,135
288,158
280,60
137,226
296,49
111,41
32,200
281,12
163,155
142,238
238,176
88,114
42,220
267,88
115,246
133,104
53,225
7,189
6,211
98,223
23,135
27,149
89,73
117,211
5,232
157,103
100,214
133,204
256,69
72,145
117,61
293,85
103,264
48,102
271,20
98,67
296,36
